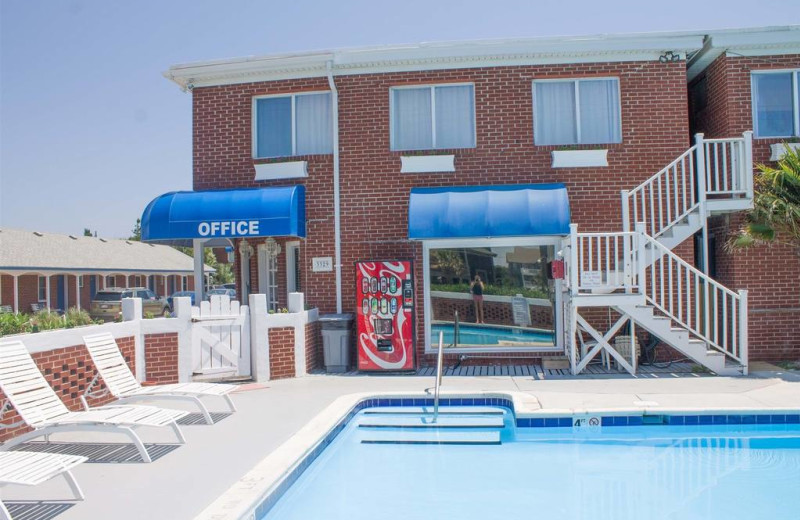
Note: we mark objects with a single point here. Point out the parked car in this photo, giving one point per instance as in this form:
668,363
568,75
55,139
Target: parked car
179,294
231,293
107,304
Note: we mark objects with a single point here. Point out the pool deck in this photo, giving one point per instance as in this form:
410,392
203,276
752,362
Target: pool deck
183,482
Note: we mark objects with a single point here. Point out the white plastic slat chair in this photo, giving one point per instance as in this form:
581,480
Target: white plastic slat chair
27,468
122,384
28,392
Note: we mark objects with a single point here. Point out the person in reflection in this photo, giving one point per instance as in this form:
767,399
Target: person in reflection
476,288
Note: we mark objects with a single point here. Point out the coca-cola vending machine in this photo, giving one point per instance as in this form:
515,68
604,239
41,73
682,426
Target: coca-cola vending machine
385,315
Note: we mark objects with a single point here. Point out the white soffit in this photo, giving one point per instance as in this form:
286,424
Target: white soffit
436,56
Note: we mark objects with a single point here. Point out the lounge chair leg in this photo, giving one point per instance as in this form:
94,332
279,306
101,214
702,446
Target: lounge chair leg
178,432
4,514
137,442
73,484
203,409
230,402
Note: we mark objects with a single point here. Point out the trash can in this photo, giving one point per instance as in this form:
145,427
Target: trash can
336,341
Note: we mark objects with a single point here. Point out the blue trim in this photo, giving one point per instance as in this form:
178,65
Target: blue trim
180,216
60,294
488,211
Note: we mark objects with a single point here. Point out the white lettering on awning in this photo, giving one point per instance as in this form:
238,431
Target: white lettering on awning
226,228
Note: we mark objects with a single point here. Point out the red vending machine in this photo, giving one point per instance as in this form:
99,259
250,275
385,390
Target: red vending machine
385,315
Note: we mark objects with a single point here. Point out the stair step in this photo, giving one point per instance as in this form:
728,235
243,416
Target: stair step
443,410
445,421
431,437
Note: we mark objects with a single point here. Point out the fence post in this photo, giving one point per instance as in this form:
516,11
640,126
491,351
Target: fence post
259,338
743,333
626,211
183,314
132,311
640,257
748,163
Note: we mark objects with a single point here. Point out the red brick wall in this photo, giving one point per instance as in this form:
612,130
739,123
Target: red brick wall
314,358
68,371
497,313
771,274
161,357
374,195
281,352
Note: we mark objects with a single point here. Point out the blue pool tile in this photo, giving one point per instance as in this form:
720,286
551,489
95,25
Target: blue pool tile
479,401
523,423
467,401
748,419
705,419
691,420
620,421
565,422
793,419
734,419
537,423
677,420
607,421
455,402
778,419
763,419
419,402
551,422
635,420
720,419
408,402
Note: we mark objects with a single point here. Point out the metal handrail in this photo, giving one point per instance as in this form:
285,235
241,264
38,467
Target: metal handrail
456,330
439,362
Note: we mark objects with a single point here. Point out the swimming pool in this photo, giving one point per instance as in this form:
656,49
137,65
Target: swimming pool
664,471
473,334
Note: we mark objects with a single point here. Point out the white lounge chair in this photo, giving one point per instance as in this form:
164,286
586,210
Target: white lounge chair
122,384
27,468
28,392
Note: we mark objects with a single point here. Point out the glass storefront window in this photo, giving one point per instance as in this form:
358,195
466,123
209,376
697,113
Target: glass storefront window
501,296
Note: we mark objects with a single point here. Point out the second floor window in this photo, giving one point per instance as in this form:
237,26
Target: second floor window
42,288
775,104
584,111
297,124
435,117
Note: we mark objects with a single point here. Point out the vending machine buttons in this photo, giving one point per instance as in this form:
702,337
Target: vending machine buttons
374,284
392,285
408,294
365,306
384,306
393,305
374,305
365,285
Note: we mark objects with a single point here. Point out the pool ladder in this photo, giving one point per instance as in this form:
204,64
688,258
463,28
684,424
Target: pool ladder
439,363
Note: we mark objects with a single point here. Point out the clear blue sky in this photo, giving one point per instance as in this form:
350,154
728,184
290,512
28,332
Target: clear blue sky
90,131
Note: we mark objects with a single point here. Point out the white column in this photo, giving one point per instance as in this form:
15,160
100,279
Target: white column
259,338
77,292
16,294
47,290
198,269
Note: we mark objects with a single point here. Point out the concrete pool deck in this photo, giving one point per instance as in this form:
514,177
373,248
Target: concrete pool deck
183,482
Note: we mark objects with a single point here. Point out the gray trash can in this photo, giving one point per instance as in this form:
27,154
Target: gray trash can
336,331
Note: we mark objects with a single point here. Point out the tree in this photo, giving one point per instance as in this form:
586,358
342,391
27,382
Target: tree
224,272
449,263
88,232
136,232
775,217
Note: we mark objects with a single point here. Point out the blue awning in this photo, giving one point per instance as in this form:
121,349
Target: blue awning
488,211
180,216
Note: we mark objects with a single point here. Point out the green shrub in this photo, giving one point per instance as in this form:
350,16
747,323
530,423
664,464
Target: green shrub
47,320
77,317
14,324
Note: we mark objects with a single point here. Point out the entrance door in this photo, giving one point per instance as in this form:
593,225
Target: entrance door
268,272
293,267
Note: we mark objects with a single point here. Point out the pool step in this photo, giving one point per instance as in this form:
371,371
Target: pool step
444,410
444,421
430,437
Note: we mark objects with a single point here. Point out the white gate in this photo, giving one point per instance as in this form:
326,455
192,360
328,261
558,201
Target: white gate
221,338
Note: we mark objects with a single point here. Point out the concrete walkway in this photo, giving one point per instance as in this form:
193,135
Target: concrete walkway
183,482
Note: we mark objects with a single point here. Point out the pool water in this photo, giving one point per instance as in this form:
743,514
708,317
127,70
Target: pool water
616,473
470,334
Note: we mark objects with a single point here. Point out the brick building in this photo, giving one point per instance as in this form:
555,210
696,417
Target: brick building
47,270
352,136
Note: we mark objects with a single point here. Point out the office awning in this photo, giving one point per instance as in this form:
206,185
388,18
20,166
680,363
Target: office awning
488,211
220,215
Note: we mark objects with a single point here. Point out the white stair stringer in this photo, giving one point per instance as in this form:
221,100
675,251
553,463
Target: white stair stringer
681,340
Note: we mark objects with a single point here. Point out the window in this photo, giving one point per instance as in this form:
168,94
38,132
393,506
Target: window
584,111
775,104
111,281
435,117
42,288
298,124
80,281
184,283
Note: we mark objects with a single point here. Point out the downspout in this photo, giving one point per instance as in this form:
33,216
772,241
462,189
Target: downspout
337,235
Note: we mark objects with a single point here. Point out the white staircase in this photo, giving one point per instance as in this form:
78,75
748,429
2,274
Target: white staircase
637,273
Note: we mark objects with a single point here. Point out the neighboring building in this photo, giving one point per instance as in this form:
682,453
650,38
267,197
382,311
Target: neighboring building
49,270
465,149
750,80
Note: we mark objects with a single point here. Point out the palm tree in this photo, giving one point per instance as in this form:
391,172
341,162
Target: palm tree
775,217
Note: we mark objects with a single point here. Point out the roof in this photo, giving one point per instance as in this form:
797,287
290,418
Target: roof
469,54
29,251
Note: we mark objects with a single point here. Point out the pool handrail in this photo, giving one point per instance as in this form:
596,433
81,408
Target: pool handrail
439,363
456,330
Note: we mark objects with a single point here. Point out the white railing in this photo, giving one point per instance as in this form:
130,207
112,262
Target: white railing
704,307
602,262
712,168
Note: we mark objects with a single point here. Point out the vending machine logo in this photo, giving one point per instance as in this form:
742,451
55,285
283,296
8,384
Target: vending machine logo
385,315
